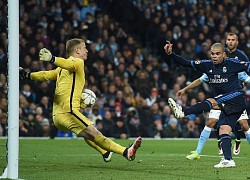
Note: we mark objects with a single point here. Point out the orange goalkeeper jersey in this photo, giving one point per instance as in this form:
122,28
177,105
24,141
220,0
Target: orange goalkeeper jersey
70,80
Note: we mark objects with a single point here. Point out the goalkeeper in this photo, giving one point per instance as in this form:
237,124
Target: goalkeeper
70,79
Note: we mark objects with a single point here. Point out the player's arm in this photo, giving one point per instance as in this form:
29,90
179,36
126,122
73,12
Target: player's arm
45,75
180,60
240,66
192,85
242,76
45,55
40,75
242,56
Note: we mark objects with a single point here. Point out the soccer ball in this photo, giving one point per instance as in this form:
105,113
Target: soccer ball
88,98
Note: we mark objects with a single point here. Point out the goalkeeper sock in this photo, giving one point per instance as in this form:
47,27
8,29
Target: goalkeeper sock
203,139
93,145
109,145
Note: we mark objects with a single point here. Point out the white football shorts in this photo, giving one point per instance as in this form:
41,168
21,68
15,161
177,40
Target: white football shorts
216,114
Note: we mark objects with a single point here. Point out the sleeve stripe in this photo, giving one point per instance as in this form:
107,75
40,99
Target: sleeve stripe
248,69
244,55
192,63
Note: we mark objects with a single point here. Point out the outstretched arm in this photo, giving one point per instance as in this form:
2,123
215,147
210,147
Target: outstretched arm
192,85
40,75
180,60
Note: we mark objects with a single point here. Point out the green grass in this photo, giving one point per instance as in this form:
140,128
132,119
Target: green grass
156,159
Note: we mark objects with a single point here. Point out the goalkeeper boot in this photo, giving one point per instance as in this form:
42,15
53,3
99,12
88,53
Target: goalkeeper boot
237,147
107,156
131,151
224,163
194,155
176,108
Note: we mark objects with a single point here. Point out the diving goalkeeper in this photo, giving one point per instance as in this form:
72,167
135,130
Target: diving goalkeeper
70,79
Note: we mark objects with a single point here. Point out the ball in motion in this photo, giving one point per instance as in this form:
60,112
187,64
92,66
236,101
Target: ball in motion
88,98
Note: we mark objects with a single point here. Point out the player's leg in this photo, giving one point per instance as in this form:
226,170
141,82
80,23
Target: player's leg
238,132
220,152
242,125
105,154
213,119
205,134
105,143
226,145
84,127
67,122
243,121
198,108
226,123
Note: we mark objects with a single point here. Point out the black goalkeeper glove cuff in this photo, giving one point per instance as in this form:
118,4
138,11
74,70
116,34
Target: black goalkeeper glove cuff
53,59
24,74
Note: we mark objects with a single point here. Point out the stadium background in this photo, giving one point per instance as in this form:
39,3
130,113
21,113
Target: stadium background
127,67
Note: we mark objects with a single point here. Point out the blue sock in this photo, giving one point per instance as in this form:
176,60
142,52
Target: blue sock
226,146
198,108
247,134
203,139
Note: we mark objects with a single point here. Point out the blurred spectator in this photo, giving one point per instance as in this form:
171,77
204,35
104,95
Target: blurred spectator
95,114
190,130
172,130
99,125
120,129
141,83
3,124
135,126
118,109
153,97
108,125
165,116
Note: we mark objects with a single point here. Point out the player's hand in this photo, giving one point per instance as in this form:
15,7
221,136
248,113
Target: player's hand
168,48
45,55
23,73
82,105
180,93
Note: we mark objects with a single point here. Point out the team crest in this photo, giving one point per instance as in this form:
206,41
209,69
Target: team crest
197,62
224,69
73,60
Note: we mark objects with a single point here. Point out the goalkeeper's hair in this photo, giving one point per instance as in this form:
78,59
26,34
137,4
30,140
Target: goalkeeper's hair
72,44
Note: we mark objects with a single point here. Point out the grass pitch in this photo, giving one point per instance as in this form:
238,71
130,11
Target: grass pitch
70,159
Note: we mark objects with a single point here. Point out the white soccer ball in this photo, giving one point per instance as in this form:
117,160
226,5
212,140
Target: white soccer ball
88,98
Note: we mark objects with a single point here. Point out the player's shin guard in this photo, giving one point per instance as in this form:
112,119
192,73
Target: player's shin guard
108,145
247,134
226,146
203,139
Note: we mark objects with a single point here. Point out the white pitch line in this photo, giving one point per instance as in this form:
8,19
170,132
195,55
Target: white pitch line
148,155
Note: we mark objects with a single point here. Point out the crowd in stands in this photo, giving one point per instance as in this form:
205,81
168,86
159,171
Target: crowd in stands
127,67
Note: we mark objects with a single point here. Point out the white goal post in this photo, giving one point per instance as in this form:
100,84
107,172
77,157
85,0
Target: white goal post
11,170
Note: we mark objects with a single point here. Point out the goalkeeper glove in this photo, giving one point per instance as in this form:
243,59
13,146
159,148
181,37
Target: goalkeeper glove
45,55
23,73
